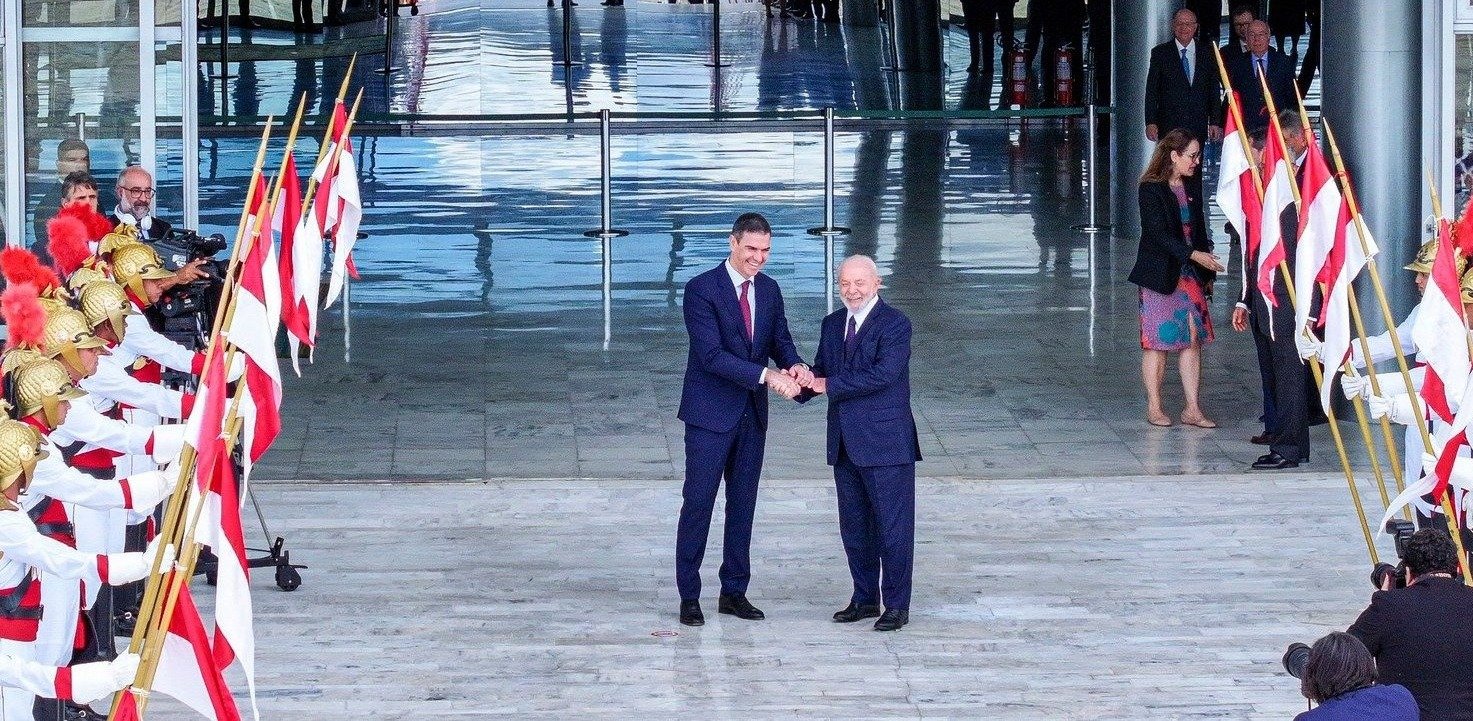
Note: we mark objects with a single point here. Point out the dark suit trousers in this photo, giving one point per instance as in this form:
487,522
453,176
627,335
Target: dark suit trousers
1266,377
1288,387
736,455
877,509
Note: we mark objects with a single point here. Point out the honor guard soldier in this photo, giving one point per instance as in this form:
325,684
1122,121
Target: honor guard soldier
27,560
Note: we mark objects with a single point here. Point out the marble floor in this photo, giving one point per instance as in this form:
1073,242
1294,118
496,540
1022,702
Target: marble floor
1049,599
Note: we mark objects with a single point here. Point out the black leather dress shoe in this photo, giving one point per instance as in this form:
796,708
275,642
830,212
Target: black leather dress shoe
690,613
740,607
1263,439
1273,462
856,612
892,619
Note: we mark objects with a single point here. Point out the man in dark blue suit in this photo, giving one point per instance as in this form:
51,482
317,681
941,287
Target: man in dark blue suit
1276,67
734,316
863,365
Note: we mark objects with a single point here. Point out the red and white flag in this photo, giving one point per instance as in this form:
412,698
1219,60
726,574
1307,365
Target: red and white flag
1440,334
299,264
1350,250
337,205
1237,195
1278,195
1323,216
253,331
220,529
186,667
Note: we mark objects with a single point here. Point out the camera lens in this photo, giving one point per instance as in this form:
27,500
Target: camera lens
1295,658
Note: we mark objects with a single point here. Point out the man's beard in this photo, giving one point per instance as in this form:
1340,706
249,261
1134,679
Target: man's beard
137,210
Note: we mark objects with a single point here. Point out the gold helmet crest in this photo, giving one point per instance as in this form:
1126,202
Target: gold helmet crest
20,451
43,386
104,301
134,263
66,332
1425,255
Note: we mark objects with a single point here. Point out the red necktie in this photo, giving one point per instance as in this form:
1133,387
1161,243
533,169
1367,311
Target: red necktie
746,309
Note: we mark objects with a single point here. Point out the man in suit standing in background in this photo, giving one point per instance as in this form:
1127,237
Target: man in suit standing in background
863,365
736,323
1276,67
1182,85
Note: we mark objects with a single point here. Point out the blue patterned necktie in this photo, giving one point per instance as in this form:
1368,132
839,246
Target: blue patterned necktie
1186,65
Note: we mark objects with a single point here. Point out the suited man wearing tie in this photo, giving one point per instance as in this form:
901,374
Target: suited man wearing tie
1277,69
863,365
1182,85
736,323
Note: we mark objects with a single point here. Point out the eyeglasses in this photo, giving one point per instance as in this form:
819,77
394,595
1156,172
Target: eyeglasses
145,192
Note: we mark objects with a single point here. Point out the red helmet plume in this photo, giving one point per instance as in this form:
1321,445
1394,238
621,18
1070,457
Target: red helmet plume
19,265
96,223
67,240
25,319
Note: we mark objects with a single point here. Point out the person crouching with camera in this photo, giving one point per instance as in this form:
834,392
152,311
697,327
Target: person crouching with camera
1422,635
1339,674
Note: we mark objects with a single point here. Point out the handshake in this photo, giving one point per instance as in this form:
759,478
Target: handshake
791,382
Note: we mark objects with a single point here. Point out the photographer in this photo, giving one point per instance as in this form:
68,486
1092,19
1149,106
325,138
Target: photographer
1422,635
1340,675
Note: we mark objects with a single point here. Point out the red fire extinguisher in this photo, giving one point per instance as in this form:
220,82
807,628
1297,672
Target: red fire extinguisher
1018,76
1064,77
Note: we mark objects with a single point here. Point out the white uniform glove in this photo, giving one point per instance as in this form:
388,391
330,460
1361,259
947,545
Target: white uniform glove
92,681
168,440
1397,408
129,567
148,488
1307,345
1355,385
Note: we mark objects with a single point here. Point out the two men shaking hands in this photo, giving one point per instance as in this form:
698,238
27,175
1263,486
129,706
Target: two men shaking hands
736,322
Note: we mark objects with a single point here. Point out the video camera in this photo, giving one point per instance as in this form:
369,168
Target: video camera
1401,531
186,313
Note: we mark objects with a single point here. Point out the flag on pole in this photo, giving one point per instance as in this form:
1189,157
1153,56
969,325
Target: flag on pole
1350,250
337,204
1278,195
299,270
186,666
253,331
1440,333
1323,216
220,529
1236,194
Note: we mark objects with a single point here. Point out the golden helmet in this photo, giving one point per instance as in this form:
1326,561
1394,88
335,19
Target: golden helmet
17,357
104,301
1425,255
43,386
66,332
20,451
122,235
134,263
84,275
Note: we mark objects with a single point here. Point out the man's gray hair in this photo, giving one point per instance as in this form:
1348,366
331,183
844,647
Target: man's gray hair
130,170
861,260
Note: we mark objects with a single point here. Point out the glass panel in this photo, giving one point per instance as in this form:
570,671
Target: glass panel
77,91
1463,120
169,107
67,13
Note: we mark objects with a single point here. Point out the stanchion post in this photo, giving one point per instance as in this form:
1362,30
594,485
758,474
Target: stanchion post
828,231
716,36
389,13
1091,148
605,231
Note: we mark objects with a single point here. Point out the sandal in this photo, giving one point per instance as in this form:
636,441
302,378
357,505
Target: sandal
1162,419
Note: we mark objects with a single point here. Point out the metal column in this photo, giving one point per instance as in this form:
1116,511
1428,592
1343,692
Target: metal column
1377,44
916,32
1139,26
15,164
189,105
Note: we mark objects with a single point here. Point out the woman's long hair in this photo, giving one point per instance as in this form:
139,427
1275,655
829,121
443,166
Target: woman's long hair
1338,663
1159,169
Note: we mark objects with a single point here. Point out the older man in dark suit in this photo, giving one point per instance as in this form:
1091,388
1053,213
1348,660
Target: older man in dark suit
863,365
1274,66
1182,85
736,322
